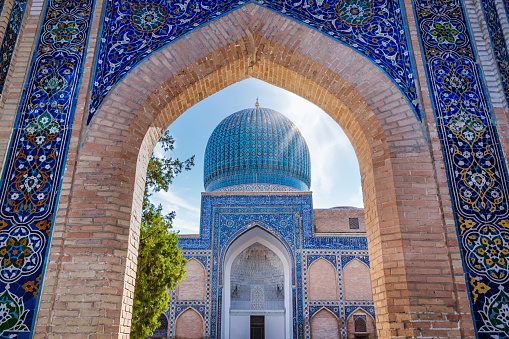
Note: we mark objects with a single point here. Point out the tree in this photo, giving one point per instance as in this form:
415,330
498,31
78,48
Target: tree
160,262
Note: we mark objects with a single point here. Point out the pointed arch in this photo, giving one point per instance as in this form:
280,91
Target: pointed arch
189,325
324,325
360,324
356,280
390,144
322,281
254,235
194,286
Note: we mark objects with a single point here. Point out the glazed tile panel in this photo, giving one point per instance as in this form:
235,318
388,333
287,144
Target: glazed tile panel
33,172
476,172
133,30
10,38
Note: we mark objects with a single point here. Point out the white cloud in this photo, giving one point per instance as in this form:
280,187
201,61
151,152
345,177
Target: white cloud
172,201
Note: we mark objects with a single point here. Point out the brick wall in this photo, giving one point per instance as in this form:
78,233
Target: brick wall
189,325
324,325
356,281
322,281
336,220
193,287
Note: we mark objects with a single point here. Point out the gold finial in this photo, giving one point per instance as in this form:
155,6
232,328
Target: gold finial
257,104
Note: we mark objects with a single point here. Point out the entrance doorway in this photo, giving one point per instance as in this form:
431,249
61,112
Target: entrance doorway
257,288
257,327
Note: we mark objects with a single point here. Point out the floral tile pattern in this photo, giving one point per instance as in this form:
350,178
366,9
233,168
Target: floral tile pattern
133,30
476,172
34,167
10,37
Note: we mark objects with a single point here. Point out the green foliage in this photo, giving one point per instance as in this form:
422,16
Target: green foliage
160,262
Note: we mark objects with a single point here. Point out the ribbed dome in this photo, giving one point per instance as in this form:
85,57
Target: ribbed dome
256,149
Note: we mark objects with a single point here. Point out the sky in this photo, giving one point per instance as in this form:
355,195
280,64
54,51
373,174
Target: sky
335,175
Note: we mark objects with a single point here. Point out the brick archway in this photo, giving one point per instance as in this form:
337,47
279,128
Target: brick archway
408,247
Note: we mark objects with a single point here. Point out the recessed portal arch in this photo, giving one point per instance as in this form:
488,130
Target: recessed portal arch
256,235
394,158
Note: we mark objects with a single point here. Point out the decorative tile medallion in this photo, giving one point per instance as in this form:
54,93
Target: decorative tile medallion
476,171
34,168
133,30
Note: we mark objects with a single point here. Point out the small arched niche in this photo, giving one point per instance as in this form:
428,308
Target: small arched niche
193,287
322,281
189,325
356,281
161,332
360,325
324,325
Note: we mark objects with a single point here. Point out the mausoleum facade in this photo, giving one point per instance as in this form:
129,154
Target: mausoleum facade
266,267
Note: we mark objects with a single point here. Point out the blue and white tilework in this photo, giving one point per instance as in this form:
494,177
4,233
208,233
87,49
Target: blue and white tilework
247,148
33,170
475,165
497,43
288,218
133,30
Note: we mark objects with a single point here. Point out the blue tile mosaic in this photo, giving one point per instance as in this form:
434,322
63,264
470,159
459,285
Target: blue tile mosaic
133,30
10,38
476,171
34,167
256,146
288,218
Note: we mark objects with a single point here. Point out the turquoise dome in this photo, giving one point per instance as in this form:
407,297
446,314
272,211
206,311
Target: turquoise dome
256,149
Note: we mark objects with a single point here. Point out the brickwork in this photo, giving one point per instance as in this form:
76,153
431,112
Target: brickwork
95,237
356,282
370,325
324,325
189,325
193,286
336,220
322,281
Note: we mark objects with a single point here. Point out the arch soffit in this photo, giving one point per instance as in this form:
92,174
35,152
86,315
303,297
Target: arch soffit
336,78
251,236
